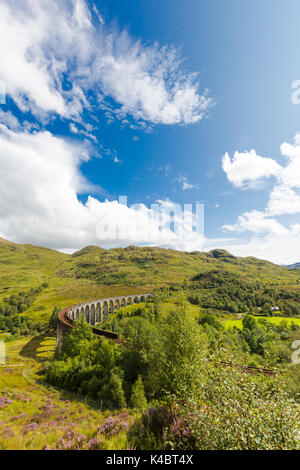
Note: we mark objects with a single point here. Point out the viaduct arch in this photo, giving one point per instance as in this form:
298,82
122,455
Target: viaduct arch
94,311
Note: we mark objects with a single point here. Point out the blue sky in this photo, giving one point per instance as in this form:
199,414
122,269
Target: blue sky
172,101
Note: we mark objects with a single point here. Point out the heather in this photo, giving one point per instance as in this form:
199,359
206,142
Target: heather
35,415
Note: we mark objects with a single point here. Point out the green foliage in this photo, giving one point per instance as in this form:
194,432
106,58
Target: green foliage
178,353
210,320
113,393
90,366
230,410
232,292
138,399
18,303
10,310
53,318
80,341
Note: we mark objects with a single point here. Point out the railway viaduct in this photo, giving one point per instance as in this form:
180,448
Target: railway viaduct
94,311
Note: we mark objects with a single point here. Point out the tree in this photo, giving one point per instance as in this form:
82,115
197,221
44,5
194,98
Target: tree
80,341
53,318
113,393
138,399
179,353
249,322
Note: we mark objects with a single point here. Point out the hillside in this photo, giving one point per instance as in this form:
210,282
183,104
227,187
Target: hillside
293,266
94,272
144,265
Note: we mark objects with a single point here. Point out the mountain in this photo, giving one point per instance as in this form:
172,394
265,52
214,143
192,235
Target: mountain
94,272
157,266
293,266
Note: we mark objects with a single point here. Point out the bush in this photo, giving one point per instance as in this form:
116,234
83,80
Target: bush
147,432
231,410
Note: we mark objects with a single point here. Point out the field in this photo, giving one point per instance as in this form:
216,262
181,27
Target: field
276,320
34,415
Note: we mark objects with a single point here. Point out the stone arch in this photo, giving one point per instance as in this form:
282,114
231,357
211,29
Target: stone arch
142,298
117,303
123,302
93,314
129,301
98,312
87,313
82,311
105,309
136,299
111,306
77,314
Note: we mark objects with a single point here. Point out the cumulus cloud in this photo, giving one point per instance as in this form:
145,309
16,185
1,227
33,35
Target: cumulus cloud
283,200
271,239
56,59
257,222
246,169
40,183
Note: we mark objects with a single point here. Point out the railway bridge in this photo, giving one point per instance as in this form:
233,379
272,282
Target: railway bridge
94,311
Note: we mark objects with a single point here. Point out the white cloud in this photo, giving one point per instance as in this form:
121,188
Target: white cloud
290,174
280,249
283,200
247,168
25,67
183,181
257,222
44,43
40,183
271,239
149,82
9,119
73,128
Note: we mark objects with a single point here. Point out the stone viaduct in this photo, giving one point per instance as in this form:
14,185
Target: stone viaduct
94,311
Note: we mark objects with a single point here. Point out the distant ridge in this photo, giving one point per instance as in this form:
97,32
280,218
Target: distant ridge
30,265
293,266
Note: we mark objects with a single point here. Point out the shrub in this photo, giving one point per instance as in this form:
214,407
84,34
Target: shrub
231,410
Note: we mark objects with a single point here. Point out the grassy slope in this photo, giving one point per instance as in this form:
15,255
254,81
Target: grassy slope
47,410
144,265
82,276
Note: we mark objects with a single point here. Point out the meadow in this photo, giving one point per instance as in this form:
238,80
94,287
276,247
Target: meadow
237,323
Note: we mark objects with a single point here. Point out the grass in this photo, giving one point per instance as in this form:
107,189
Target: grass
229,323
35,414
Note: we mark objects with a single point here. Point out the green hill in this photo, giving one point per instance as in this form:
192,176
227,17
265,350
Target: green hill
156,266
94,272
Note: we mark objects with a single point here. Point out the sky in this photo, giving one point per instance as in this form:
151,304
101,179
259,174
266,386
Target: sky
166,103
